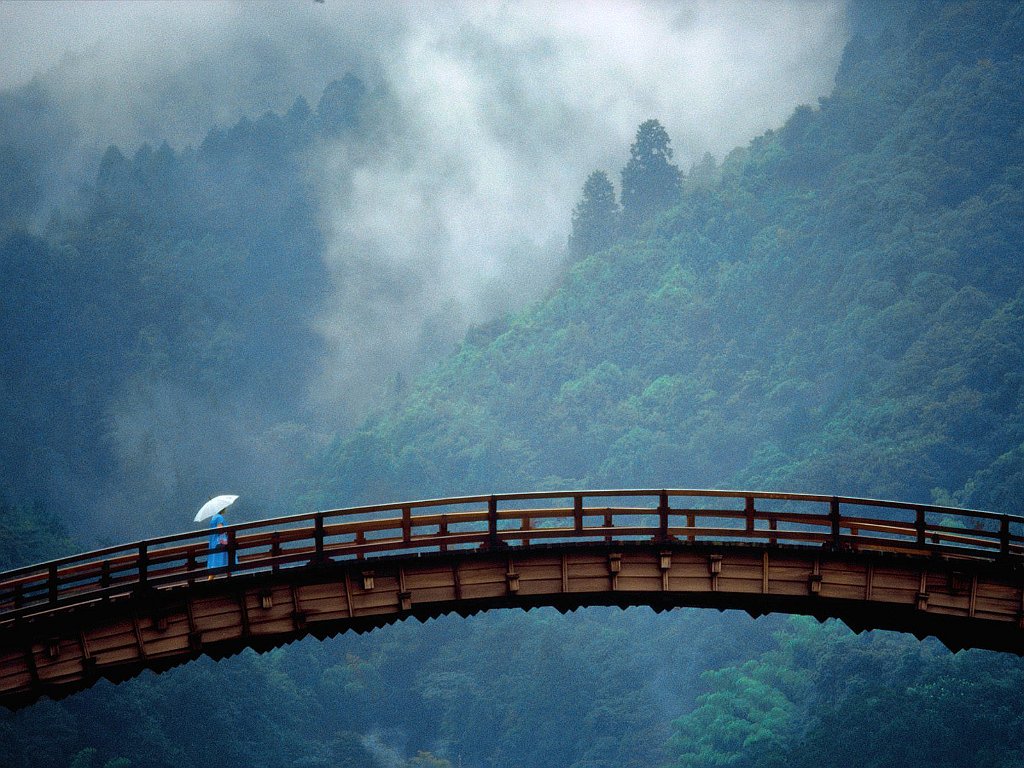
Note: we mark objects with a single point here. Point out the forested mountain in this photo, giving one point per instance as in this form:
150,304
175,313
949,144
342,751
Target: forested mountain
837,307
157,331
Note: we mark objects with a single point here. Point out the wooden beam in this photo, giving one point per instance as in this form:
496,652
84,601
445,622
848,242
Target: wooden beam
456,581
348,593
614,566
921,599
404,595
138,636
814,580
243,607
511,578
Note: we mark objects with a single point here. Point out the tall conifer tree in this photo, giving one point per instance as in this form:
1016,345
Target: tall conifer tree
595,220
650,181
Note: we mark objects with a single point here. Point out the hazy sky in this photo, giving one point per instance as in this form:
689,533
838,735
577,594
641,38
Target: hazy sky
505,108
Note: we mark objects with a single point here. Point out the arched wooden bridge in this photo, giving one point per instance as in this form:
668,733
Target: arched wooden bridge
952,573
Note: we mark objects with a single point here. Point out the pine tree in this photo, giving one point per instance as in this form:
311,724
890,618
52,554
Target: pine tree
650,182
595,220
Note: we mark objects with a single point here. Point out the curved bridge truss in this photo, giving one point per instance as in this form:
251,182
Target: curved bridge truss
952,573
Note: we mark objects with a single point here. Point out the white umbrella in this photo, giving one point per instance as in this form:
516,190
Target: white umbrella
213,506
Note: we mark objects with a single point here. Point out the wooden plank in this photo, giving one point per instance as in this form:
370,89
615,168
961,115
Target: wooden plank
243,609
348,594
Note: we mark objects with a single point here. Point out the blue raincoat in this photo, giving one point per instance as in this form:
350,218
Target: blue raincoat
218,556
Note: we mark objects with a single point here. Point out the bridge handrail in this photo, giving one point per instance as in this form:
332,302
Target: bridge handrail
120,567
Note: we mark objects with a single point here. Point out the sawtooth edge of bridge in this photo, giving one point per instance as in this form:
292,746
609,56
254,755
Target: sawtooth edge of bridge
964,604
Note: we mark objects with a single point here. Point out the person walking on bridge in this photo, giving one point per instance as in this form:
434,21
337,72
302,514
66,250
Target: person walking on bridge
218,546
218,556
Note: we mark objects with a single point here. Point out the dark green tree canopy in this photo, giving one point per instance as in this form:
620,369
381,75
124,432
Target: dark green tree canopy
650,181
338,109
595,220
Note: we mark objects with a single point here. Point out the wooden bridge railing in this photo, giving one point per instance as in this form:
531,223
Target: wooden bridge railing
514,520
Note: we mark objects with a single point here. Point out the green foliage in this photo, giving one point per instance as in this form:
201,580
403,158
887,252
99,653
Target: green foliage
84,758
595,220
30,534
427,760
650,181
873,701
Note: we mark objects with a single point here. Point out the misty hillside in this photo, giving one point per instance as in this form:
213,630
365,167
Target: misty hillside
835,307
190,280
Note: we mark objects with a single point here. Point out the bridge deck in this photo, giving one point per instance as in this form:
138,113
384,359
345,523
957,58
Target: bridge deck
953,573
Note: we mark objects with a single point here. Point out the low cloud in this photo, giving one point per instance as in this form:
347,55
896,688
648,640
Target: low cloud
503,109
495,112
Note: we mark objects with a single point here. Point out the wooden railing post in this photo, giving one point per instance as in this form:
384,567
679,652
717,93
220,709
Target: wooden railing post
919,525
577,513
662,517
318,538
834,518
106,579
275,551
51,584
1004,536
493,542
232,550
143,564
406,524
748,508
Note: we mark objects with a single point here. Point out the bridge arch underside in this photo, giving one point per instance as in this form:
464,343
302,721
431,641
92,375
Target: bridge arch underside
964,604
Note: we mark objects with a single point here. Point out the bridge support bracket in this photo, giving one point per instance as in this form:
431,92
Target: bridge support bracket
511,578
614,568
664,565
921,601
714,569
512,582
814,583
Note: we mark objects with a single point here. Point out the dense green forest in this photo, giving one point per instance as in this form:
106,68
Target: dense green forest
837,307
